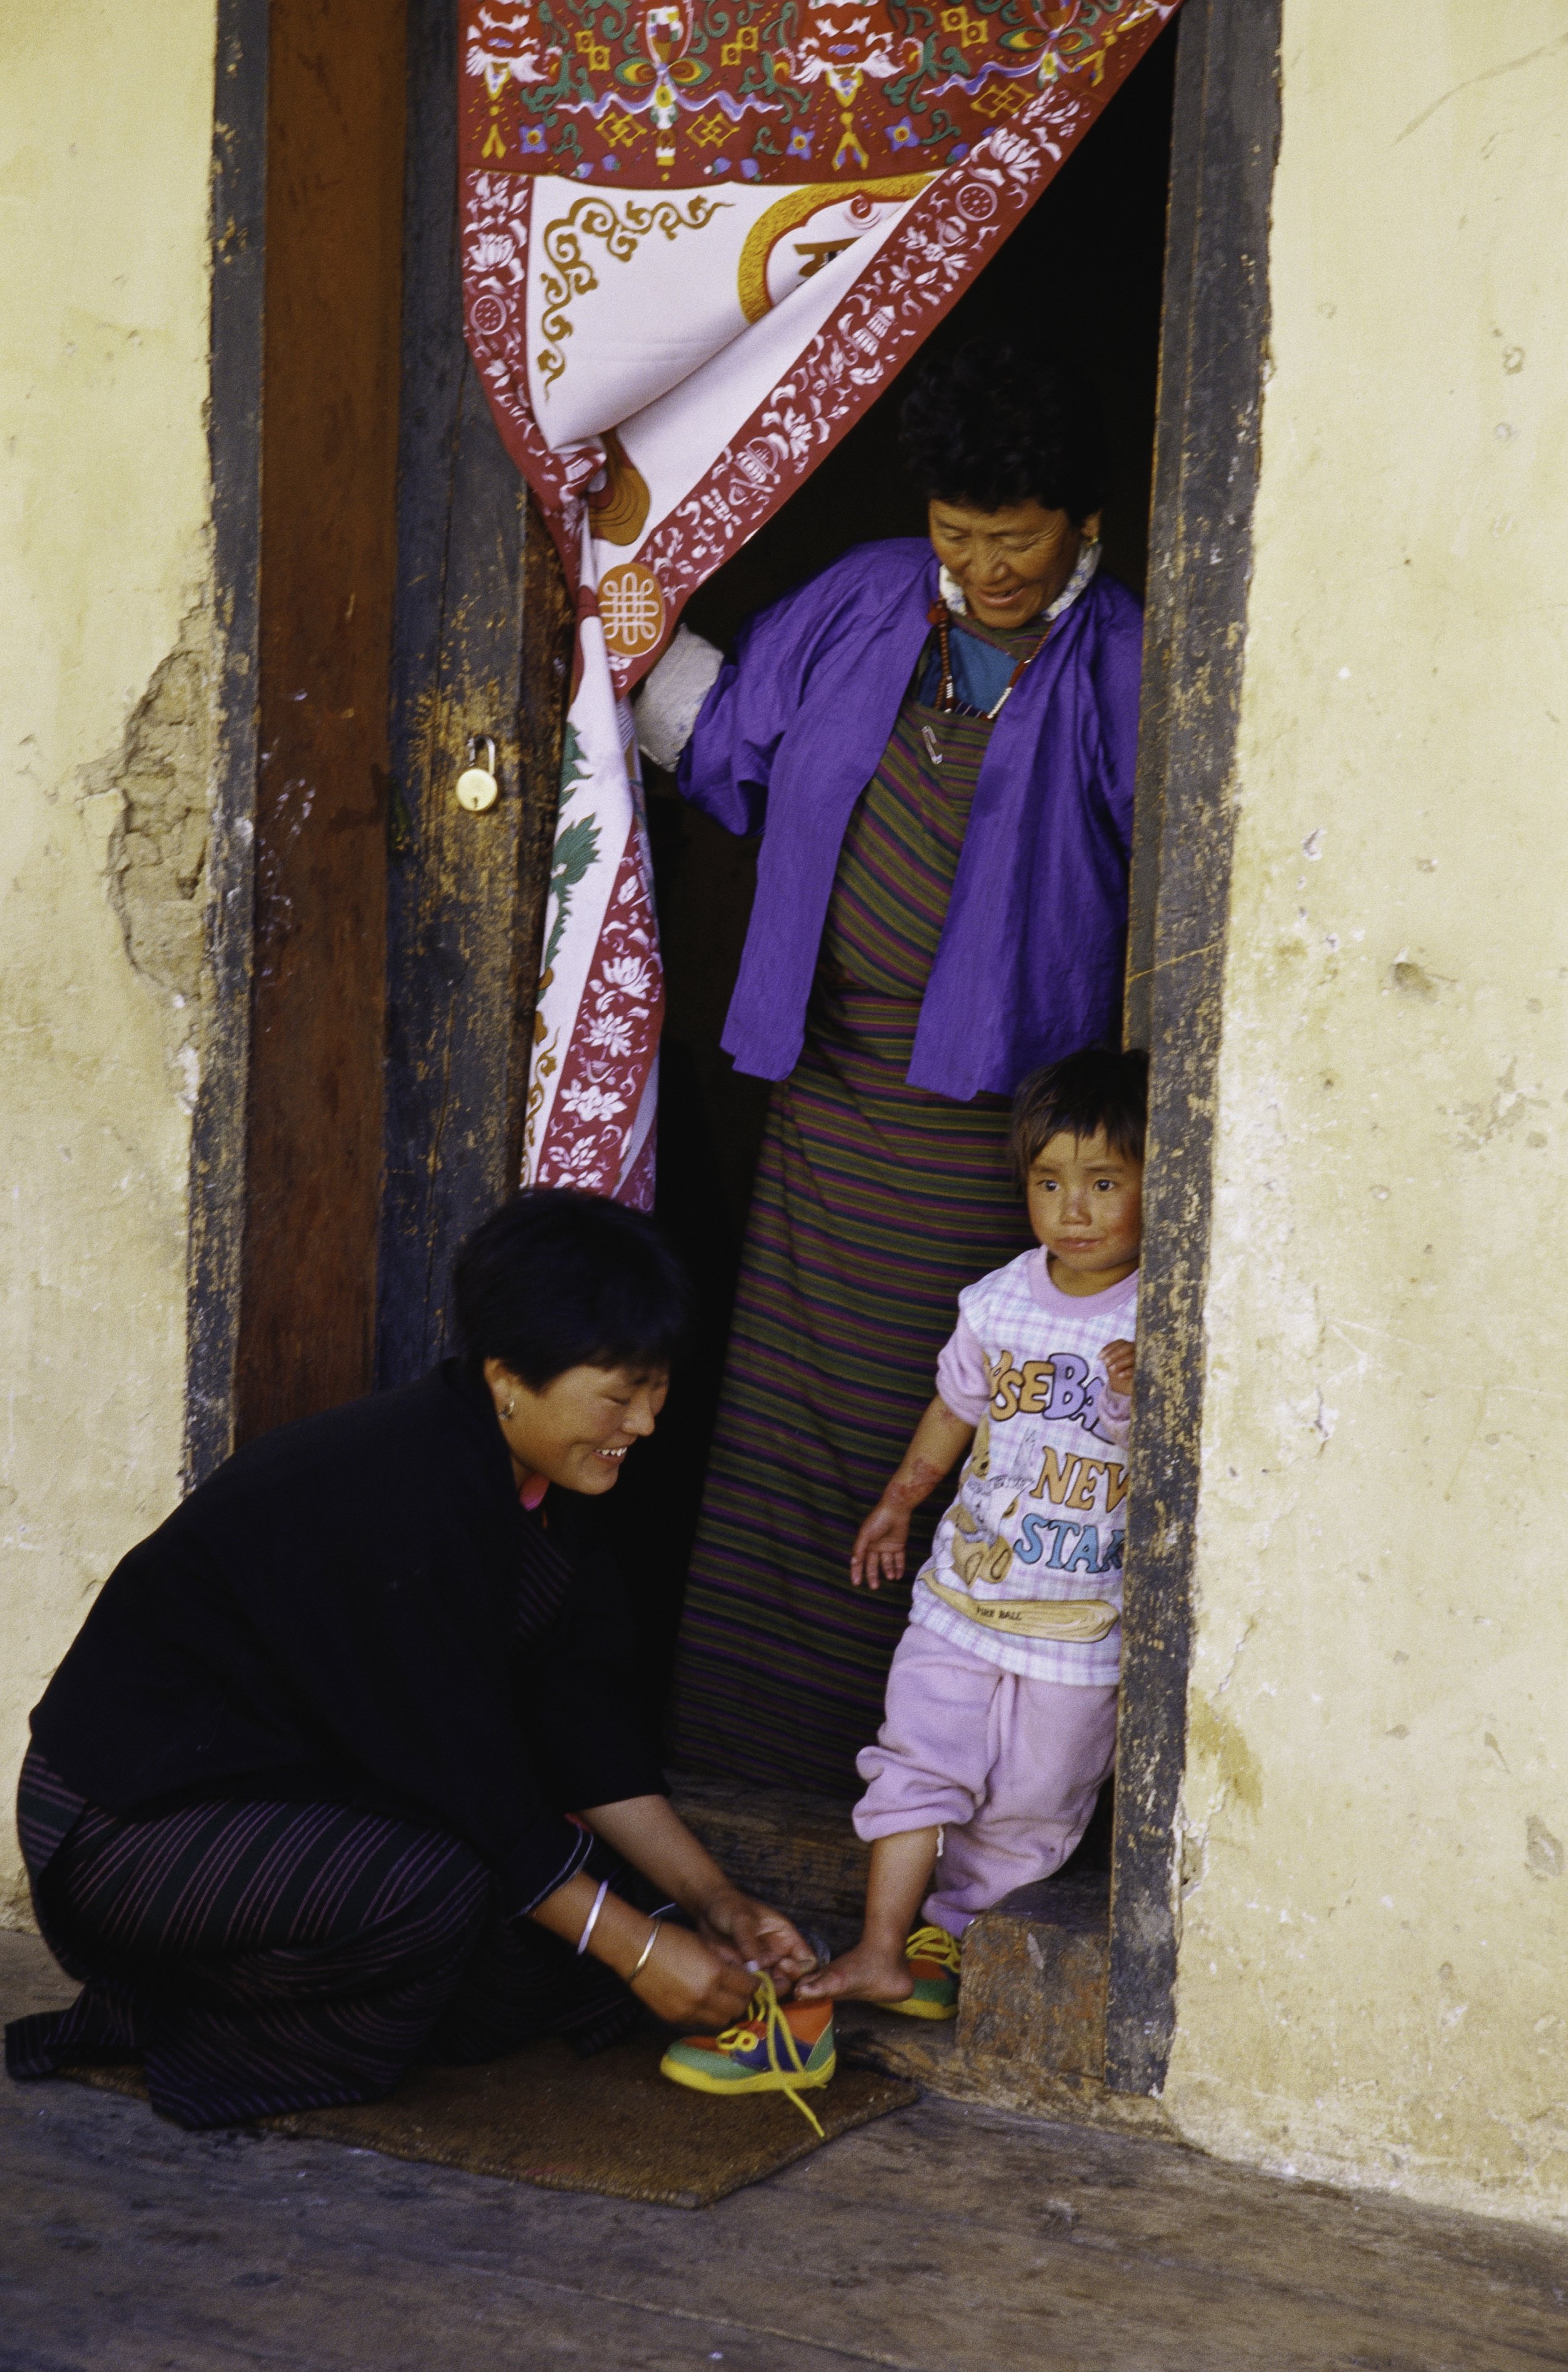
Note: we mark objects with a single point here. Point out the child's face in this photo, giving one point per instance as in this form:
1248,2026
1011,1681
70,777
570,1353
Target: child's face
1087,1206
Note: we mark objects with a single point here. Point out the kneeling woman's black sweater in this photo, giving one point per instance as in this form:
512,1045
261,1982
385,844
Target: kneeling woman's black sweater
358,1608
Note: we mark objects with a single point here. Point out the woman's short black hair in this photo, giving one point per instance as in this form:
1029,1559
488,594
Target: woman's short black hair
556,1279
1000,421
1098,1087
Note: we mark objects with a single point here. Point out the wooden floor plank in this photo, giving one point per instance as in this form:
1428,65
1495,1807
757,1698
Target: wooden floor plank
940,2240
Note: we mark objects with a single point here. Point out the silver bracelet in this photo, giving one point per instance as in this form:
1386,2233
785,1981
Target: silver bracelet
654,1933
589,1927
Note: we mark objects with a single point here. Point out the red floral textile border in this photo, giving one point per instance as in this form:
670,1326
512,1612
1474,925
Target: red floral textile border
912,281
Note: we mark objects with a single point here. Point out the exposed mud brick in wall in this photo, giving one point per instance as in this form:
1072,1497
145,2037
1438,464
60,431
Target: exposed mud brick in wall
161,780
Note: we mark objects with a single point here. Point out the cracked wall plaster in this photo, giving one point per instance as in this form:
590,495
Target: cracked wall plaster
160,781
105,580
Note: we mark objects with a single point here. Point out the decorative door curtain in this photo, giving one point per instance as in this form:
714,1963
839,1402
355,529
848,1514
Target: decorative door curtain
697,240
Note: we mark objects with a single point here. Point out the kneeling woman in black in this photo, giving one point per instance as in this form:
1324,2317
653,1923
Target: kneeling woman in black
333,1777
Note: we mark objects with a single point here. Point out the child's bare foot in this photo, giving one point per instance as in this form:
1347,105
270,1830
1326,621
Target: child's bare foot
867,1972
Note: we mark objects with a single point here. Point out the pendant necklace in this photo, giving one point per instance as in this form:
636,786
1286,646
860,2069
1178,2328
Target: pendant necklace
948,698
940,615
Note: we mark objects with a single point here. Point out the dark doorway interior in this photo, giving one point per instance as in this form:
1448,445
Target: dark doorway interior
1088,260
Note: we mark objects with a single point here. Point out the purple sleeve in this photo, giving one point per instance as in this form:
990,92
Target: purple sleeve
1117,672
726,766
961,1373
723,771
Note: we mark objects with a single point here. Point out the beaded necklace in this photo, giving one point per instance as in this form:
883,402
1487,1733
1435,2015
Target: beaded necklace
952,604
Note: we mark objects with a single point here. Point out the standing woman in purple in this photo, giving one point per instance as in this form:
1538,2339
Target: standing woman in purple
936,740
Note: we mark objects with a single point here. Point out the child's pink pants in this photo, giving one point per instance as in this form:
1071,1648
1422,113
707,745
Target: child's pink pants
1007,1768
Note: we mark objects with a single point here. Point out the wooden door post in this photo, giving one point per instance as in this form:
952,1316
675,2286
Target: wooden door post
482,643
1213,343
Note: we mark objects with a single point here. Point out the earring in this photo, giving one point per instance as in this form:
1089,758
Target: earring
510,1409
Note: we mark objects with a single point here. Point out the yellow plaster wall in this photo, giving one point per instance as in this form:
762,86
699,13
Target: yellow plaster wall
1374,1967
106,111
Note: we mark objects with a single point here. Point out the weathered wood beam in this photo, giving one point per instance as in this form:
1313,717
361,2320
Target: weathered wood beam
218,1125
481,644
1213,354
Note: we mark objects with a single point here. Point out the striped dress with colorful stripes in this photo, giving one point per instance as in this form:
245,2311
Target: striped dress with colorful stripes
875,1201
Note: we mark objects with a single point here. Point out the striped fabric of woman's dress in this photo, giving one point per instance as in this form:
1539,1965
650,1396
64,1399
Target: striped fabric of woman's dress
875,1201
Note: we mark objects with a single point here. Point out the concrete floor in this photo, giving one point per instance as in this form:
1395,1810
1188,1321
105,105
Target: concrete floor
945,2238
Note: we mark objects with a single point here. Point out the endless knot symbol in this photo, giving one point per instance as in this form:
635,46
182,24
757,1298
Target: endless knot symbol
1001,99
631,608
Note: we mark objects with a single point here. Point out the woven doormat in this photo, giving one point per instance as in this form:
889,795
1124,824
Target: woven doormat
611,2124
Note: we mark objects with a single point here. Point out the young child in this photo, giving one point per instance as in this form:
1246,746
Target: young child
1000,1706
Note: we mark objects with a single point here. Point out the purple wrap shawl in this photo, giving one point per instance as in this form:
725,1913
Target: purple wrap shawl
1029,963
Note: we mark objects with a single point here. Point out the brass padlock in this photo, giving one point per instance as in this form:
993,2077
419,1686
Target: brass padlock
477,785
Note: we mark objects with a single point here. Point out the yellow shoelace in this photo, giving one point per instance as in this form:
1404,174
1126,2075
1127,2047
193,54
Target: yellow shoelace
934,1944
765,2017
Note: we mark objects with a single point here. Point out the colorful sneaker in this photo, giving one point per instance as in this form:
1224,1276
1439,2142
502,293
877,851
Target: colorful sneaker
932,1955
774,2049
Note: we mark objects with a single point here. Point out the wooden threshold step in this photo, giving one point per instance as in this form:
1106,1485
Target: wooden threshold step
1030,2030
799,1851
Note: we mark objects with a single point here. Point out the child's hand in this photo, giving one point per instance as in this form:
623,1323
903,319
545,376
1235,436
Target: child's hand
1117,1358
878,1552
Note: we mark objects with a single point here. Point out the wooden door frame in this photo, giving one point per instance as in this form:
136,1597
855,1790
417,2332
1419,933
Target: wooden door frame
482,643
482,638
482,621
479,644
1214,344
236,225
306,232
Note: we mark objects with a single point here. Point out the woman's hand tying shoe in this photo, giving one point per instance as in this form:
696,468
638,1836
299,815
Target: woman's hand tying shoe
685,1982
747,1934
756,1937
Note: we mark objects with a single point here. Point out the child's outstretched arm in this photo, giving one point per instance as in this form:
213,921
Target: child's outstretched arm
940,1440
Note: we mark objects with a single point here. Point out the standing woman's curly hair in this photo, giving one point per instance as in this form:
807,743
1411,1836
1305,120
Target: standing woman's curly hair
1002,420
